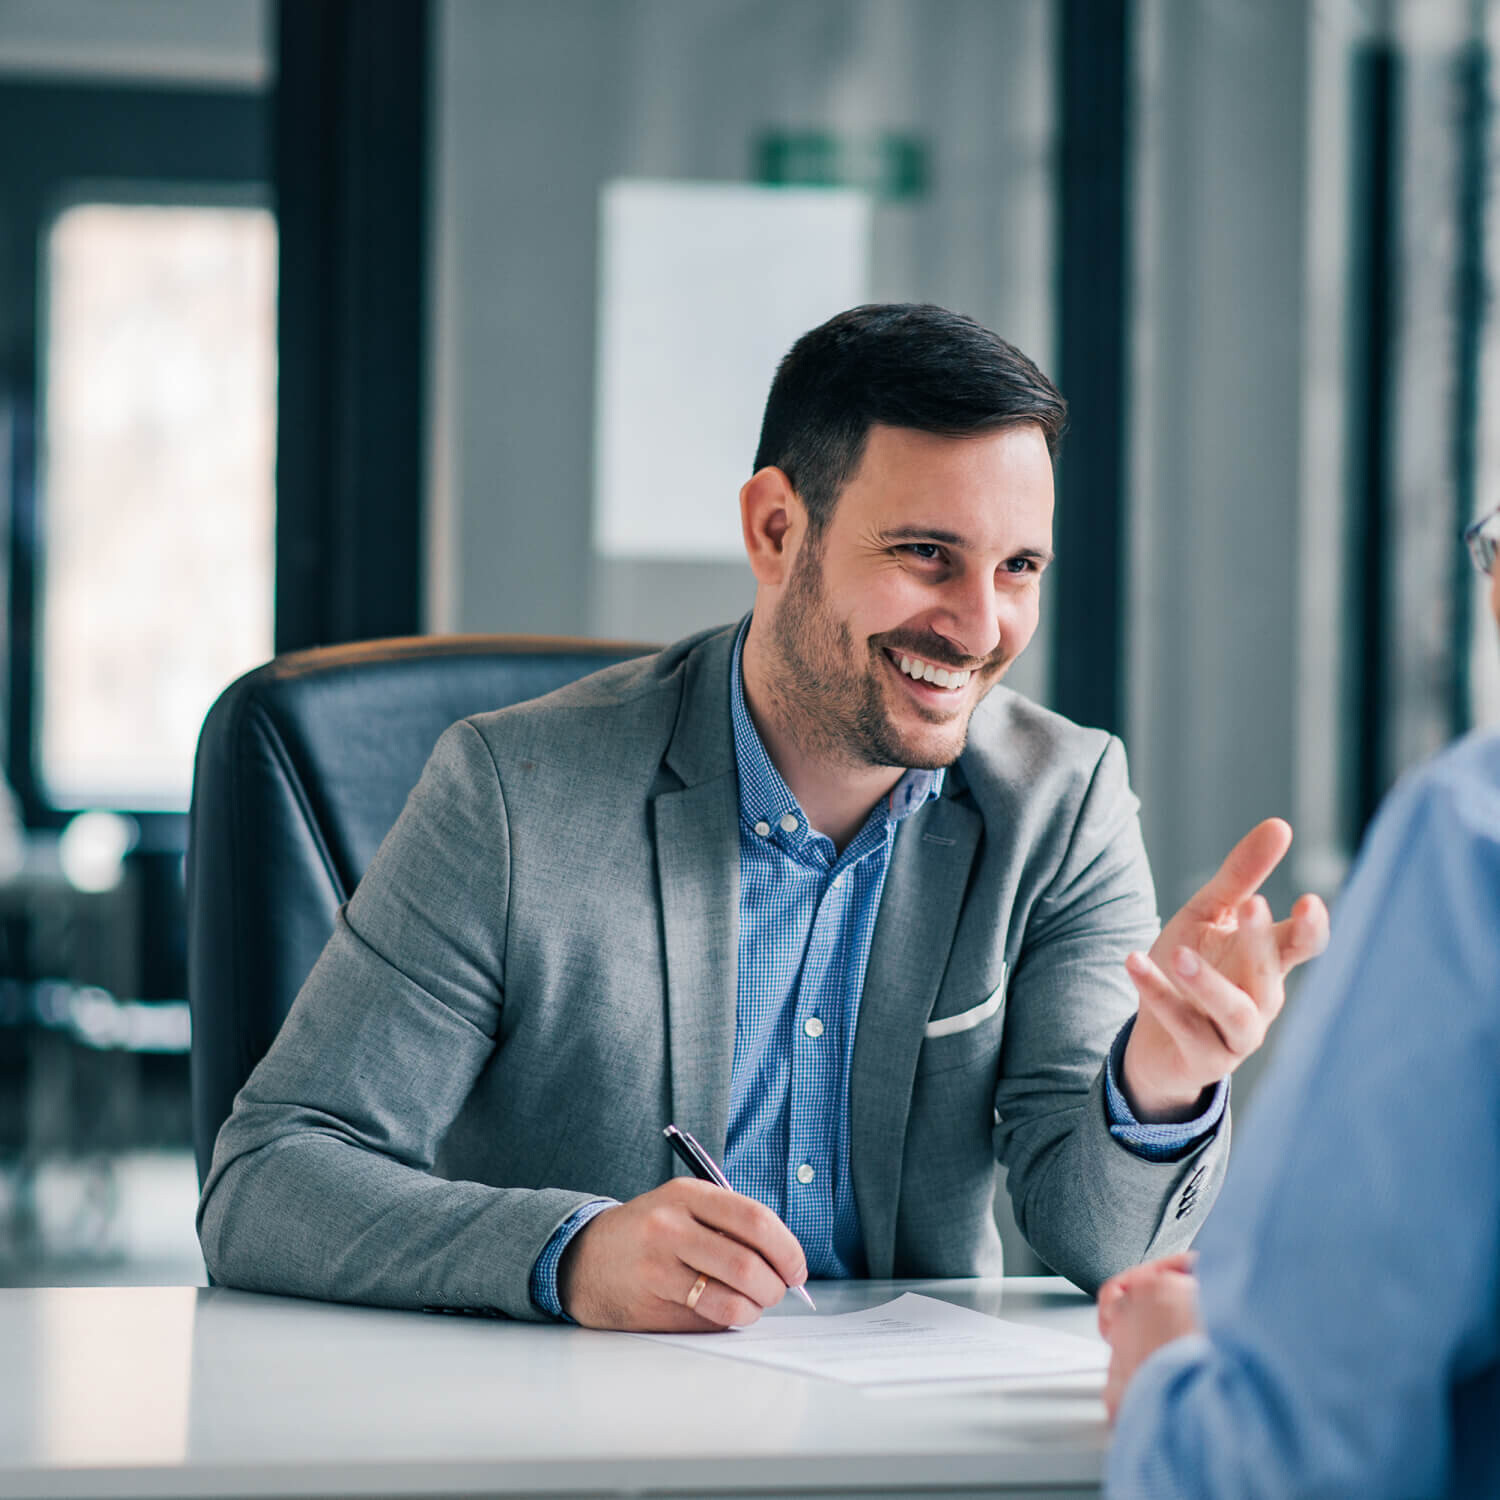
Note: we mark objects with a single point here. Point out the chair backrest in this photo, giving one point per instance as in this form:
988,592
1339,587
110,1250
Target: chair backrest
303,765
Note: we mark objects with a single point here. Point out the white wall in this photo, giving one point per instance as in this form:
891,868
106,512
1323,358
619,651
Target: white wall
1218,425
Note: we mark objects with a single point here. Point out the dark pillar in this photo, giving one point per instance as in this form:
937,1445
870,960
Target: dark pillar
1470,311
1373,289
1088,678
350,168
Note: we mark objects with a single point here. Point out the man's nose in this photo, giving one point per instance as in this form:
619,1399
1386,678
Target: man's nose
969,618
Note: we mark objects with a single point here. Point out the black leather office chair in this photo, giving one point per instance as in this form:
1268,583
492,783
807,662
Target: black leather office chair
302,767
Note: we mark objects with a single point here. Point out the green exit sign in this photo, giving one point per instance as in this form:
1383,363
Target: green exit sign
890,166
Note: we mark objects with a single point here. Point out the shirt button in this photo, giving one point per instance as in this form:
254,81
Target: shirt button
788,823
813,1026
805,1173
763,828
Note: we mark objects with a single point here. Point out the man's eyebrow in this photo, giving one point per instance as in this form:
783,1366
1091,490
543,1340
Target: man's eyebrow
923,534
1043,555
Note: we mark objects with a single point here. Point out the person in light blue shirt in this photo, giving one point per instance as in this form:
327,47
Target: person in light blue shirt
1348,1341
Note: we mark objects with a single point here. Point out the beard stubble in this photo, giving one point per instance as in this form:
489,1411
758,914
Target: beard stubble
823,700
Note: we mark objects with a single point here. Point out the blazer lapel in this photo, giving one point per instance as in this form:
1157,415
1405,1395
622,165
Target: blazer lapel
698,872
919,910
697,863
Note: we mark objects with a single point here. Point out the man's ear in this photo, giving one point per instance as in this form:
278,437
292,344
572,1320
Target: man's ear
773,522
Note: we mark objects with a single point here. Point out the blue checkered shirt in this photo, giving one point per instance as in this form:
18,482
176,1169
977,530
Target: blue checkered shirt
807,918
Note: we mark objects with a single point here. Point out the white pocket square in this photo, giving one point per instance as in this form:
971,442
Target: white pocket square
967,1020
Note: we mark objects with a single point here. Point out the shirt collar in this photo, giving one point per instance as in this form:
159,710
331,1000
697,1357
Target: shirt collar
765,796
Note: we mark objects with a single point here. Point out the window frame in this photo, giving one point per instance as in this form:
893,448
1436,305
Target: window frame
108,136
97,144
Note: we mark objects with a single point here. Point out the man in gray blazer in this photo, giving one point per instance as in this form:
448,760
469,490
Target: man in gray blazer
814,888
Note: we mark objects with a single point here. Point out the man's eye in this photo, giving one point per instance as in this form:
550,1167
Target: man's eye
926,551
1020,565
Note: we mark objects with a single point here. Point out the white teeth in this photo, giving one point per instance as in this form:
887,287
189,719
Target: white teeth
943,677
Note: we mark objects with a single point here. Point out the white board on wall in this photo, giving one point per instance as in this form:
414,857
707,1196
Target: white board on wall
703,288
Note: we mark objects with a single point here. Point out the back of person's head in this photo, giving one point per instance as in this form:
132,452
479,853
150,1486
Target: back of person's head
897,364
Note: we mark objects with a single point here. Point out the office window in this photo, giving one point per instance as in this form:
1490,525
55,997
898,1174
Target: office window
158,483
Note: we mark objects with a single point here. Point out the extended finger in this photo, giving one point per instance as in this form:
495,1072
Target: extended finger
1245,868
1304,934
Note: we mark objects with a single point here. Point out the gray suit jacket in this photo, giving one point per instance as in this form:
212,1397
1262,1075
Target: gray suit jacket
538,971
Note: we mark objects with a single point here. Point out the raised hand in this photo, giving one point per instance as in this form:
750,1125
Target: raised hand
637,1266
1215,980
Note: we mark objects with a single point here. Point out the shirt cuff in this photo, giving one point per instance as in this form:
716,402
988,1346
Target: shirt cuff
544,1271
1155,1142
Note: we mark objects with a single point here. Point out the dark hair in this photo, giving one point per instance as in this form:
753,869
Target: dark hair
900,364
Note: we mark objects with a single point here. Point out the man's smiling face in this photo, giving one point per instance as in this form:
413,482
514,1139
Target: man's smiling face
921,591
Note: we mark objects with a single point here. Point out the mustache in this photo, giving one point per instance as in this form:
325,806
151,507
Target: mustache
936,650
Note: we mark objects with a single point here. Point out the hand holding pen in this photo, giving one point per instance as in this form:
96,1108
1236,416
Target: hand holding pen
635,1265
706,1169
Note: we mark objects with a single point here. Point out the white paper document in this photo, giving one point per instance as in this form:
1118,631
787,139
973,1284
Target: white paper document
913,1340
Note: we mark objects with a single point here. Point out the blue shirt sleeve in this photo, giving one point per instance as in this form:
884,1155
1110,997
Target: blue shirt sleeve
544,1269
1351,1342
1155,1142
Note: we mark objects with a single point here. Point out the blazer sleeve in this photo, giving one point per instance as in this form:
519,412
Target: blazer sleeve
1086,1203
321,1183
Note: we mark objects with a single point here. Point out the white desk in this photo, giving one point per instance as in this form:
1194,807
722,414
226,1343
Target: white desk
191,1391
